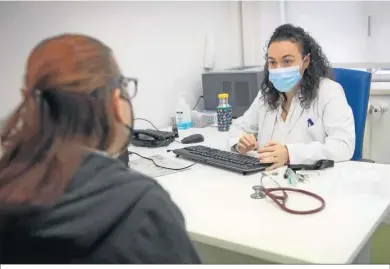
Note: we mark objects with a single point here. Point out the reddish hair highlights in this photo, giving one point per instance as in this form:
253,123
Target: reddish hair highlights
45,137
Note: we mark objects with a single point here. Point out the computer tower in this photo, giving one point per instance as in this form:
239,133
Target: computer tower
242,84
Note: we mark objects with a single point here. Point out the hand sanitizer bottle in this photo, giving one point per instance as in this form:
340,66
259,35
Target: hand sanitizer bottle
183,115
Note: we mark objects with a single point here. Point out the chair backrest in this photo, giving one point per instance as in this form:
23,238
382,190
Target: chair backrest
357,86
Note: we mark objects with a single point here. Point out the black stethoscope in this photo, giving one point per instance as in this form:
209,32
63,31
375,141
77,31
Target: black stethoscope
261,192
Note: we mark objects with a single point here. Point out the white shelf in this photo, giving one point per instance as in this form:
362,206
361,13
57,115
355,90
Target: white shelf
380,88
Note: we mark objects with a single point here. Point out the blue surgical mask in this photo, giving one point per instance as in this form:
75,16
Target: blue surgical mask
286,78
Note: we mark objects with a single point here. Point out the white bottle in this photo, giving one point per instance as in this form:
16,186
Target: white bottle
183,115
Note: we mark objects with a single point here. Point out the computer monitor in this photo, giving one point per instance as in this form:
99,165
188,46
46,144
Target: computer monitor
242,84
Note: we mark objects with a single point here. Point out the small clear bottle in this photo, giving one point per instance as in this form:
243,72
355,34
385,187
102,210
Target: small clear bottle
224,113
183,115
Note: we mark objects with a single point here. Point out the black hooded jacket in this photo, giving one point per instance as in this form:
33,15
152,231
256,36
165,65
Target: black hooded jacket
108,214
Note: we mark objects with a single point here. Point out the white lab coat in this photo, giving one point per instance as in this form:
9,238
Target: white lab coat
332,136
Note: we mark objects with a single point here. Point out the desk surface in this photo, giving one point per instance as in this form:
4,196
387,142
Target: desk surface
219,211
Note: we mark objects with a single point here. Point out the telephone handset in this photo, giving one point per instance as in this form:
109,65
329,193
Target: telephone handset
152,138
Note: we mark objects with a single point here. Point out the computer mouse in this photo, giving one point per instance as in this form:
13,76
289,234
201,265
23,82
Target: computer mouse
195,138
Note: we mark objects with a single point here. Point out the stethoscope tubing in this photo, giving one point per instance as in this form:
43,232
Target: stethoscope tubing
281,200
282,205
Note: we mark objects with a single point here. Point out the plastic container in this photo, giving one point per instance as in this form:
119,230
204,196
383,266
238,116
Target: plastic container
224,113
183,115
202,119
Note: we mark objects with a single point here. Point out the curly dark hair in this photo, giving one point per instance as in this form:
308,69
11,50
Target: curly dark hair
318,68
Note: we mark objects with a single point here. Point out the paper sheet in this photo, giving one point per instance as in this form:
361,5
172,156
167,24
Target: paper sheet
147,167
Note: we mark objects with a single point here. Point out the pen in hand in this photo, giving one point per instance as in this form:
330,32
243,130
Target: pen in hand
247,143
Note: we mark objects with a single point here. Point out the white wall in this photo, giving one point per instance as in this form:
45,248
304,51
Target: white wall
160,43
340,27
260,20
378,42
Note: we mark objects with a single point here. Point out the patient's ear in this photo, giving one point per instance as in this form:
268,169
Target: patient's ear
23,91
121,108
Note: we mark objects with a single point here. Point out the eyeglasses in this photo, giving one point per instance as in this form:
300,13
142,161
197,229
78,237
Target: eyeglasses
129,86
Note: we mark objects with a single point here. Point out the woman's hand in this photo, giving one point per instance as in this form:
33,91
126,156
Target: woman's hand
275,153
246,143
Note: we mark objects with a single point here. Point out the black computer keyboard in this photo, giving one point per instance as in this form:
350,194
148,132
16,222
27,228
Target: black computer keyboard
223,159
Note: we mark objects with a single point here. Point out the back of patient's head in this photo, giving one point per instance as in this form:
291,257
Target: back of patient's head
290,46
70,105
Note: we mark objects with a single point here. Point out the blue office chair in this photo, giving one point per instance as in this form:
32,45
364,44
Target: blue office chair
356,85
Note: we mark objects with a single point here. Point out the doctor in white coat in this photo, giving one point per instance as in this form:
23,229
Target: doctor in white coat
299,115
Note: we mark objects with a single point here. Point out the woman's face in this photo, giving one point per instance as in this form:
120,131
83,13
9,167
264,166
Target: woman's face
282,54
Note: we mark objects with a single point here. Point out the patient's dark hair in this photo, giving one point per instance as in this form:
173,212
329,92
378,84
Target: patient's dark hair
44,139
318,67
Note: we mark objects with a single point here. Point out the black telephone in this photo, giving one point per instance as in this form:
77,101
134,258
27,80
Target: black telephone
152,138
319,165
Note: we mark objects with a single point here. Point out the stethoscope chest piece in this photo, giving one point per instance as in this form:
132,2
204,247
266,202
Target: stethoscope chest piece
259,192
280,200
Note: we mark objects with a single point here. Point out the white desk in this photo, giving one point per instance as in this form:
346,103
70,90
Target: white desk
219,211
